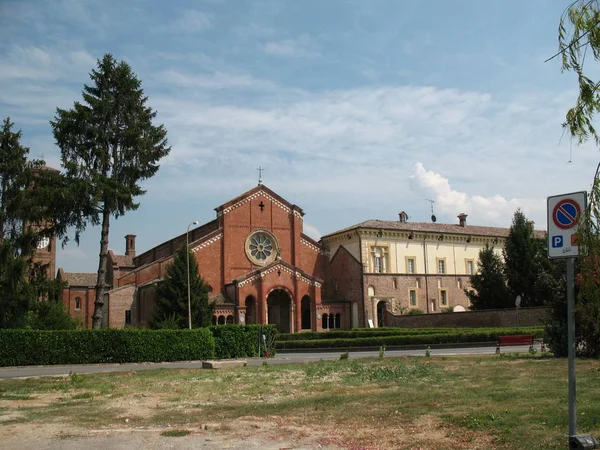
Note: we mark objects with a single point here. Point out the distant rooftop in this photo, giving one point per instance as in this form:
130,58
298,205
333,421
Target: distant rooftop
474,230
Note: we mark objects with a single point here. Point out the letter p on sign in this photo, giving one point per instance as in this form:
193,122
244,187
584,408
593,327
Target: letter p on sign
557,241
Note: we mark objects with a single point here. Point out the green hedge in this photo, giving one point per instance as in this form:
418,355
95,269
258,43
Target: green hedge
35,347
38,347
235,341
416,339
383,332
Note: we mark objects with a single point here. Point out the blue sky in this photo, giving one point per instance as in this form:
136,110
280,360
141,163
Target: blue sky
357,109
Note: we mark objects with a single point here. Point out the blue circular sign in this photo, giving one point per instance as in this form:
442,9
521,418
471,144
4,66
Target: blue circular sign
566,214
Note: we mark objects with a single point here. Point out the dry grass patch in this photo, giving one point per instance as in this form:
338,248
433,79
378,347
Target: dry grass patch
505,402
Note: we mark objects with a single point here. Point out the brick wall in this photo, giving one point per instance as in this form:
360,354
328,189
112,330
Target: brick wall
119,301
489,318
394,290
344,281
87,296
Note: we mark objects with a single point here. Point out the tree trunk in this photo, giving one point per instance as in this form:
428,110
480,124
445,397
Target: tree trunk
101,281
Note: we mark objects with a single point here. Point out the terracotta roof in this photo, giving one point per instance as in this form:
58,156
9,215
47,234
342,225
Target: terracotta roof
123,260
80,279
49,169
449,228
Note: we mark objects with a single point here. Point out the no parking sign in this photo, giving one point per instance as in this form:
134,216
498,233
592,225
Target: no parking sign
564,213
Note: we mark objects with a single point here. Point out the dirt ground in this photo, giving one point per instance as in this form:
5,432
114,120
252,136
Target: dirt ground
242,434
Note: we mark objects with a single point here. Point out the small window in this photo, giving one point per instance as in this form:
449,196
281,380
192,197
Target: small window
441,266
413,297
128,317
378,265
378,259
77,303
394,285
410,265
443,298
470,268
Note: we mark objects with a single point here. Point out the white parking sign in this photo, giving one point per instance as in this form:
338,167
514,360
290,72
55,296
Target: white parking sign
564,213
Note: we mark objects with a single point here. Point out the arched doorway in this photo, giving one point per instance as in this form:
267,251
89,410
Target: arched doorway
305,308
381,314
279,302
250,310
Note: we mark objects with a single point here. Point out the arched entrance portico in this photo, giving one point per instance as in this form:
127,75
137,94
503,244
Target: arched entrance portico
279,304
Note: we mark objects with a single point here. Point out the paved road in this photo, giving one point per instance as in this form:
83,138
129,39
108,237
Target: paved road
281,358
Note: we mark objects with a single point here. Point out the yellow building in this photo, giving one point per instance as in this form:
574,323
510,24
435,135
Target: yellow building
396,266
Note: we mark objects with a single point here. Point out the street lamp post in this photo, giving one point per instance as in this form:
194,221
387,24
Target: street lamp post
187,254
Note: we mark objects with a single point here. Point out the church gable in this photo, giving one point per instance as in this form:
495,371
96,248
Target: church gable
263,192
258,227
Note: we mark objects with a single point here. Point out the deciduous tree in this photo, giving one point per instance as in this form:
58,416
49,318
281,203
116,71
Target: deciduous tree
579,46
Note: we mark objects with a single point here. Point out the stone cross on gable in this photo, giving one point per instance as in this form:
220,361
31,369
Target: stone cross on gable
260,171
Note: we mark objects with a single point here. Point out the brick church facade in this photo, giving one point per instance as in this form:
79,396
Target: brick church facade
259,264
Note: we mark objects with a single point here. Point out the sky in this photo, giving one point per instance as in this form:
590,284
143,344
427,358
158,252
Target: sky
356,109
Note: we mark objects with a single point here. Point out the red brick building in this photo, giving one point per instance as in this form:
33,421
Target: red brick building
259,264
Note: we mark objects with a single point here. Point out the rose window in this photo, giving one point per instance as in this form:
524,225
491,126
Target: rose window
261,247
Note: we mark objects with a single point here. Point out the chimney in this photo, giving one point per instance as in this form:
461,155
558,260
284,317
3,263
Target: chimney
403,217
130,245
462,219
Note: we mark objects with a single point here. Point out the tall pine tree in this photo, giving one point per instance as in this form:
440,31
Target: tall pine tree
489,284
108,146
26,216
524,260
172,298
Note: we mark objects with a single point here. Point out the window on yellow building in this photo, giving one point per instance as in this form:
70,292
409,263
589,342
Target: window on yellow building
379,259
470,267
441,263
410,265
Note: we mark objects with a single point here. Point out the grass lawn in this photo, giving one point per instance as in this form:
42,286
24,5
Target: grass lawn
503,401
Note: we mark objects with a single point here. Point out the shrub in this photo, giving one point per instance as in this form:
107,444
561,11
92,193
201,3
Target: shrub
462,336
35,347
416,312
236,341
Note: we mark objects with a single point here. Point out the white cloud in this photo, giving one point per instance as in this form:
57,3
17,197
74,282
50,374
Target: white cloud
215,80
492,210
193,20
293,48
311,231
37,63
356,148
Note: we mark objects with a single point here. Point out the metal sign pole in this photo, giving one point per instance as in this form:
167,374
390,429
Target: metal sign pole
564,212
571,343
